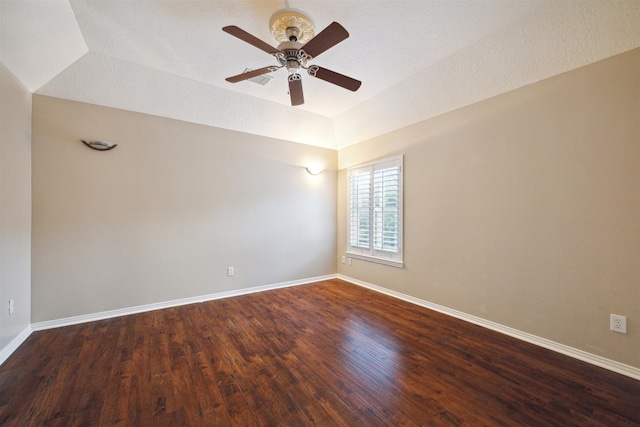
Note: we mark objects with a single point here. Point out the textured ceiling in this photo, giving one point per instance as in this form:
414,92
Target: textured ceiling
416,59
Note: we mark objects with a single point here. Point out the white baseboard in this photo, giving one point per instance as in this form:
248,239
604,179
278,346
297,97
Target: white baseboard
593,359
67,321
584,356
14,344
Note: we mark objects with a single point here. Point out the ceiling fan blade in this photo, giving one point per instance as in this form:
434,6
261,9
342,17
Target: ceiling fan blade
250,74
252,40
295,89
325,39
335,78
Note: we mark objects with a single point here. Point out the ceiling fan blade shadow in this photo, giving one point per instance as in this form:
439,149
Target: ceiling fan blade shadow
325,39
335,78
248,38
295,89
250,74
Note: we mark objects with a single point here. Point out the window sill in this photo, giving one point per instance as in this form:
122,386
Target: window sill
392,263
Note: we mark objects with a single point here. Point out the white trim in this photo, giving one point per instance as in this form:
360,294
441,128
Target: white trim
14,344
584,356
370,253
370,258
67,321
612,365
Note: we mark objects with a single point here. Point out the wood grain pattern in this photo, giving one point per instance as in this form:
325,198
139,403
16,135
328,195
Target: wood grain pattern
329,353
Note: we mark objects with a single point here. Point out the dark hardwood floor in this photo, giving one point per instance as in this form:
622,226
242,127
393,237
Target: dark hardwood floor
326,354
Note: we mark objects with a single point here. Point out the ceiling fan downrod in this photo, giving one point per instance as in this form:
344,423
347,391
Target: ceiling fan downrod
293,33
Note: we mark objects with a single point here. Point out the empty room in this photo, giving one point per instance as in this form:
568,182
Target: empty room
319,213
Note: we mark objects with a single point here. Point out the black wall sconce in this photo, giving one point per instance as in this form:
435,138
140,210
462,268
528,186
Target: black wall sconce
99,145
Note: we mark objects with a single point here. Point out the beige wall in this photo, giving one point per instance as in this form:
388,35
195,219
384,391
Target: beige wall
164,214
15,206
524,209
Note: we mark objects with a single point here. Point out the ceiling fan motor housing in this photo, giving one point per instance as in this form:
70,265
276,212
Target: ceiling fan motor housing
291,56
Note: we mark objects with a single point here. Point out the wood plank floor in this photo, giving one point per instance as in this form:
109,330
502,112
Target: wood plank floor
328,354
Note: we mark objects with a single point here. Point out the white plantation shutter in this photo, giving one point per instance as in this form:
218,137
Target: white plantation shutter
360,211
385,209
375,211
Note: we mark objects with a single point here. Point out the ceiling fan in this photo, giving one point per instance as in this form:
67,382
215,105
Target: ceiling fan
298,47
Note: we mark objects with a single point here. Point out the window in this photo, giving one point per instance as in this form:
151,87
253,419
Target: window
375,211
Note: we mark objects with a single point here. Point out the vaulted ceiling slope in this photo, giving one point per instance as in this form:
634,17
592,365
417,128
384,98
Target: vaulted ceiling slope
416,59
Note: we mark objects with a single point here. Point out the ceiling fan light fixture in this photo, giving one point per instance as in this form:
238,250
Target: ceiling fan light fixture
293,66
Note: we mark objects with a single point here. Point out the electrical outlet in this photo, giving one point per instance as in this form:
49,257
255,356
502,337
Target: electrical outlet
349,261
344,259
229,271
618,323
11,306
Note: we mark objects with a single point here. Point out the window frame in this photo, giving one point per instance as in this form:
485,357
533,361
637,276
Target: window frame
381,256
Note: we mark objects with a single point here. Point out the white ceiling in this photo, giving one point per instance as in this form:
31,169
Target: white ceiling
416,58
